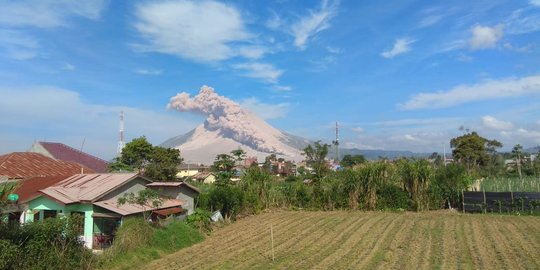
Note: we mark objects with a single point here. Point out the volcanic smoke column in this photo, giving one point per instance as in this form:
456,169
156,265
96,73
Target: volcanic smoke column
229,119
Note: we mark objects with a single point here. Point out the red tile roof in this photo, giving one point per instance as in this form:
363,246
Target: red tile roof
66,153
29,188
22,165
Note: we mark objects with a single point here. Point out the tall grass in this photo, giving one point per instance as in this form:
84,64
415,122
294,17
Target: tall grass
502,184
137,242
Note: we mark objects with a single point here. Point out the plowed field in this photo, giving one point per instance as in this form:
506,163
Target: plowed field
366,240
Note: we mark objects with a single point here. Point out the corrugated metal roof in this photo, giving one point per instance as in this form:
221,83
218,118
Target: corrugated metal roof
66,153
87,187
129,209
169,211
29,188
172,184
21,165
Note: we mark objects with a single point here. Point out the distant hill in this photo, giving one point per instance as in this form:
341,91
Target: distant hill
533,150
375,154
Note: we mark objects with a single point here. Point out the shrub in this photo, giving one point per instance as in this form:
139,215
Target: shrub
200,220
392,197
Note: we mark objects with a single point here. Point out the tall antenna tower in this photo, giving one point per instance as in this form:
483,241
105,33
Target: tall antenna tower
336,143
121,142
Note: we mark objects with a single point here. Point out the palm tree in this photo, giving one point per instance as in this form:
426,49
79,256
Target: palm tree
517,152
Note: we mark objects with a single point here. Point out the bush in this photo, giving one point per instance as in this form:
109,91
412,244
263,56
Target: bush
50,244
175,236
392,197
200,220
133,234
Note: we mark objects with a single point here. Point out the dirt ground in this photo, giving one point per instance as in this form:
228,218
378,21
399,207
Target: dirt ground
366,240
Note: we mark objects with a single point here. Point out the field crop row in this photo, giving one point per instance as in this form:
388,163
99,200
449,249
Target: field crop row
366,240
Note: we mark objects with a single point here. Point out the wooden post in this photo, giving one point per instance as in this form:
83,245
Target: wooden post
485,204
512,196
272,236
463,200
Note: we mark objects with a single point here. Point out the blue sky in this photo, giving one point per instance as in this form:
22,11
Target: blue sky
400,75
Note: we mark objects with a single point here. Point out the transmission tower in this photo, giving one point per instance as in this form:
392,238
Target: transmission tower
336,143
121,142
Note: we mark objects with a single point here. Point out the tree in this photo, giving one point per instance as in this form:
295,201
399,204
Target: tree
155,162
239,155
472,150
315,158
223,163
136,153
351,161
147,199
517,153
163,163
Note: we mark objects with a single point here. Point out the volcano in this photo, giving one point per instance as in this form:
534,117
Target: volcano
228,127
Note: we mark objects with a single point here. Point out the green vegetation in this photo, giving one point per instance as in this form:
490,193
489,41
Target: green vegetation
154,162
502,183
51,244
138,242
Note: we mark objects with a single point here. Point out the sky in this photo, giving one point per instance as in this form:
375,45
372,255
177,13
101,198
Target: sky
396,75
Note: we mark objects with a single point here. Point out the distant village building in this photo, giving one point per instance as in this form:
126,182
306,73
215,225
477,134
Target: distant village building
60,151
205,177
187,170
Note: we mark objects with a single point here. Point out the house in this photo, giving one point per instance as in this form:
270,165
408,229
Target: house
94,197
22,165
60,151
186,170
178,190
205,177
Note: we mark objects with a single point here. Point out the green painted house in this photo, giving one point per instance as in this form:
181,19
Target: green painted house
94,196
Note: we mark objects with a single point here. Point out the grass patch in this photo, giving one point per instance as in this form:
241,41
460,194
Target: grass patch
137,242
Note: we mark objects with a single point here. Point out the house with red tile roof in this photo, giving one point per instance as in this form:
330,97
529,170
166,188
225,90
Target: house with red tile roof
63,152
22,165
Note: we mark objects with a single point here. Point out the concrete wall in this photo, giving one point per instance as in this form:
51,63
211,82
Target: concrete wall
183,193
37,148
134,186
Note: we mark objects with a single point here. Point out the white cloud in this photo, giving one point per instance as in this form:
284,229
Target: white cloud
148,71
48,13
283,88
400,46
490,89
485,37
357,129
57,114
265,110
430,20
196,30
334,50
17,45
68,67
493,123
535,2
275,22
266,72
315,22
522,21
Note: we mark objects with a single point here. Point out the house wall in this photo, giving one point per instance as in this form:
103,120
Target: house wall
186,173
43,203
210,179
188,196
183,193
134,186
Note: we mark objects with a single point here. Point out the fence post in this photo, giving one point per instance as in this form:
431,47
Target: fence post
512,196
485,204
463,200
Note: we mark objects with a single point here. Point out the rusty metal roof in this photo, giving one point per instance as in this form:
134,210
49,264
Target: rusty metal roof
87,187
21,165
130,209
66,153
29,188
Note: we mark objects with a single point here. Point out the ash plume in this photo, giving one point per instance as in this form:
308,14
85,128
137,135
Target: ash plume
227,117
